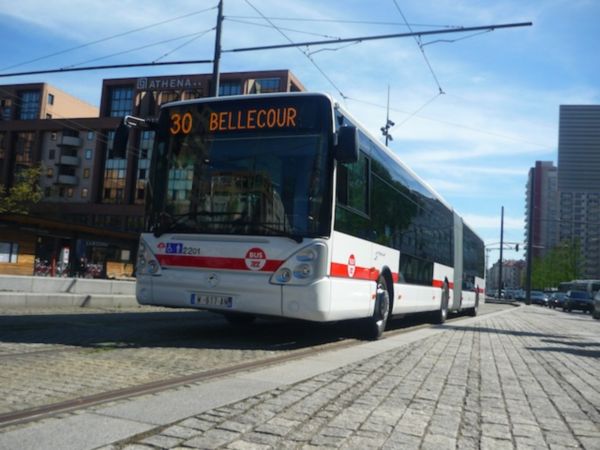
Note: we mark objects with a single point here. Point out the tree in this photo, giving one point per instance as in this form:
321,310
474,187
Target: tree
23,194
561,263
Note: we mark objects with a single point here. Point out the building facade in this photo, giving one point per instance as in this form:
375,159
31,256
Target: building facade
512,275
579,183
545,207
86,187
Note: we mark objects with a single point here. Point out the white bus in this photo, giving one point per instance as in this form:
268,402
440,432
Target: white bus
283,205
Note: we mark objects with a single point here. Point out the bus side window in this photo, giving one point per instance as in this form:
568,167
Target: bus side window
342,184
353,184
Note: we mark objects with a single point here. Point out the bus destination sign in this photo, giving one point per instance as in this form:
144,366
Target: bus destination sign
246,116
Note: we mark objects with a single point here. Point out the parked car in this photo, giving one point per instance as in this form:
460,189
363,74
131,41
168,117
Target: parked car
596,312
556,300
539,298
578,300
520,295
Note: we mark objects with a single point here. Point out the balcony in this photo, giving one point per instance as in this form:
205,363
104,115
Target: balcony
70,180
66,160
70,141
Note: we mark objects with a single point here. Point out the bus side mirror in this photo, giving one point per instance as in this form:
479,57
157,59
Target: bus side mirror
346,149
120,139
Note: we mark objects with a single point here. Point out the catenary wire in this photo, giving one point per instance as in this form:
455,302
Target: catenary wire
419,43
359,22
299,49
194,35
328,36
108,38
452,124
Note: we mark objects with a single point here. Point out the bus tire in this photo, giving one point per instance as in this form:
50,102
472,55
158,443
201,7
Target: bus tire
441,315
375,325
239,319
475,309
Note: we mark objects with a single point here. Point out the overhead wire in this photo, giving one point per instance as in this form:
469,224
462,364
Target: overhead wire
108,38
449,123
360,22
282,28
419,43
195,36
305,53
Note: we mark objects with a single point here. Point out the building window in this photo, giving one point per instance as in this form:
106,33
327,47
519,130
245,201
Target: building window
145,146
115,171
24,147
84,193
265,85
48,116
51,154
88,153
6,108
90,136
86,173
121,101
230,87
53,136
169,96
70,192
9,252
30,105
48,192
51,99
50,172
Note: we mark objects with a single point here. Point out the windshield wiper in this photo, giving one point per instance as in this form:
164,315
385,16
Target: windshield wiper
167,222
278,231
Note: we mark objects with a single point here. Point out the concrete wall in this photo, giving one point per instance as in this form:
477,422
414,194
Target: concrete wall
47,285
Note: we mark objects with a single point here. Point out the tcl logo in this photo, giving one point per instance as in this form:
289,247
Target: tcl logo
351,266
255,258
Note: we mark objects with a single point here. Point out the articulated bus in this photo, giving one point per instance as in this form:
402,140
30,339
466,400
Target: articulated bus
283,205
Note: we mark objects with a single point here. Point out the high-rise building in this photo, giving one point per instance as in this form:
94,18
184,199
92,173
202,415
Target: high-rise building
579,183
545,207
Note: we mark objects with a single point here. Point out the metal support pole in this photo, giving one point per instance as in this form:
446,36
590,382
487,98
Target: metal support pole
501,246
216,75
529,239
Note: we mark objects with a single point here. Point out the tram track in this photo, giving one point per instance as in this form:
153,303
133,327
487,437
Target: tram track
15,418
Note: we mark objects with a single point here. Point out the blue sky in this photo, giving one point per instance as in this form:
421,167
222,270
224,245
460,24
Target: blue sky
474,144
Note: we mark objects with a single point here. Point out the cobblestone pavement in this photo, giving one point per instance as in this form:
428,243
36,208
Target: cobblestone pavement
49,356
525,379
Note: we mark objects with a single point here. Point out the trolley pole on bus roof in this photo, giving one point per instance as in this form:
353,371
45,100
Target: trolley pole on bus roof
214,92
385,130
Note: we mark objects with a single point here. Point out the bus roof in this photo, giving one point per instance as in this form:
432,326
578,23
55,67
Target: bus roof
346,113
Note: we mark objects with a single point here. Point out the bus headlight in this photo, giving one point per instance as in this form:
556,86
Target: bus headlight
147,264
303,267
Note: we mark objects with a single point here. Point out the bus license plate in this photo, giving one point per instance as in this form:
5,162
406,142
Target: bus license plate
222,301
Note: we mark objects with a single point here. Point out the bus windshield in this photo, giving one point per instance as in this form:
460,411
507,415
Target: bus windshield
250,185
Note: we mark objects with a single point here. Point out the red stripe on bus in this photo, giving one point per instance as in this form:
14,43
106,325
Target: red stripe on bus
214,262
360,273
439,283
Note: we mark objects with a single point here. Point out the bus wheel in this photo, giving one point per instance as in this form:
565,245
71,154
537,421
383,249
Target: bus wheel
441,315
473,311
239,319
375,325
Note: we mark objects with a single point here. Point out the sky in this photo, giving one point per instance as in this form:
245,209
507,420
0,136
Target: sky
473,111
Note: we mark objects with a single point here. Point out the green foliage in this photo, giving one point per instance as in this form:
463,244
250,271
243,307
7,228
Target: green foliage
23,194
562,263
